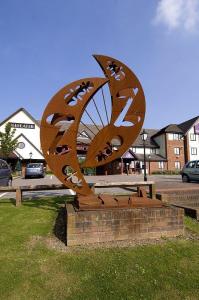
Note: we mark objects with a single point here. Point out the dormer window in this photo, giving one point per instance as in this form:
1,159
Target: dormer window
192,137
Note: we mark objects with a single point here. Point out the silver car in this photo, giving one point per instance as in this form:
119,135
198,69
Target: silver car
5,173
34,170
190,171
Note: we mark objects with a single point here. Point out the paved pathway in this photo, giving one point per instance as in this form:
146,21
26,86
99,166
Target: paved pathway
161,181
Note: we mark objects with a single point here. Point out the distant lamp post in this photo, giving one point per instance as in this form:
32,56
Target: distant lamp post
127,168
149,157
30,154
144,136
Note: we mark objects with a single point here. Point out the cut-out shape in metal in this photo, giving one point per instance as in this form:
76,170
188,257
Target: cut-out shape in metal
127,116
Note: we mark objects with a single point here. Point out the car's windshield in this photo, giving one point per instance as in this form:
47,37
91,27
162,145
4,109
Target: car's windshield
191,164
34,166
3,165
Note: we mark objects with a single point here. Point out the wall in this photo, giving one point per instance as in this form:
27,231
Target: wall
193,144
160,140
154,166
94,226
171,156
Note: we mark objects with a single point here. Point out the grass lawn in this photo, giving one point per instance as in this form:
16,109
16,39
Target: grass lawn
30,268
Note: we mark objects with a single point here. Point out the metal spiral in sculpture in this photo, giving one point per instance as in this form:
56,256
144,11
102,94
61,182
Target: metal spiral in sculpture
125,118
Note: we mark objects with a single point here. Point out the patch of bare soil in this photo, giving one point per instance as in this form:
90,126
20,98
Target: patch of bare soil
57,241
53,243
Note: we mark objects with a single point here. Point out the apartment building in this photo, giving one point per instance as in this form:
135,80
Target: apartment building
190,129
171,142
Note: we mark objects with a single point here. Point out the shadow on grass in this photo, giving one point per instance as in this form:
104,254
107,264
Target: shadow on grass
8,200
48,203
56,204
59,229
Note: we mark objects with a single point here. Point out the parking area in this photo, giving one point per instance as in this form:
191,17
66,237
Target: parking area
47,180
162,182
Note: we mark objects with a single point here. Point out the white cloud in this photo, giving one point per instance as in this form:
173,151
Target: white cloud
178,14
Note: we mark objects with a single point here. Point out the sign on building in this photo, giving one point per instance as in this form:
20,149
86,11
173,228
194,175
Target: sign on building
196,128
22,125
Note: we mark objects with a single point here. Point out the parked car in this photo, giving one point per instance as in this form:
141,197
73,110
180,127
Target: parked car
190,171
5,173
34,170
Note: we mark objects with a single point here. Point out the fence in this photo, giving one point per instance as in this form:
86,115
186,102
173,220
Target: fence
20,189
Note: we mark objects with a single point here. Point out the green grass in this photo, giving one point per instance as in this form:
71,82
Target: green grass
31,269
192,225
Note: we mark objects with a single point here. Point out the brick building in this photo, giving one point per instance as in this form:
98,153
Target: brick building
171,144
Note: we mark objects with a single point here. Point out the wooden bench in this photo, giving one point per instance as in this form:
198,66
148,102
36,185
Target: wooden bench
20,189
150,184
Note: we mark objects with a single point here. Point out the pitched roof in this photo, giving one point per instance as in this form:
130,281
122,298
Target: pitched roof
171,128
185,126
25,137
92,130
16,112
153,157
149,142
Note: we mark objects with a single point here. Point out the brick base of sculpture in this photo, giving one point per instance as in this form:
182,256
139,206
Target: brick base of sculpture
94,226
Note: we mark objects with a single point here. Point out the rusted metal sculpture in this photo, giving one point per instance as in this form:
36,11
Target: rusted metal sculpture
59,145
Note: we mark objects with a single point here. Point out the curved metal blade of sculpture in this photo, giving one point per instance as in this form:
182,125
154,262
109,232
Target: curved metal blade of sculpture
62,116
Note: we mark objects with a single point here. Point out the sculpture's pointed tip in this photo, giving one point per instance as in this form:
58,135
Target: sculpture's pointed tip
96,56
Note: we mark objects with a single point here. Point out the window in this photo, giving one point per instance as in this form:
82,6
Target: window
153,151
177,151
176,136
194,151
192,137
177,165
21,145
133,149
191,164
3,165
161,165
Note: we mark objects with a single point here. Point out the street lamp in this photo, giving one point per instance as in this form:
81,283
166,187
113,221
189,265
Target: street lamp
127,168
30,154
149,164
144,136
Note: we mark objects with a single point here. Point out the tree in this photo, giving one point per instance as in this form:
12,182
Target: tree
7,142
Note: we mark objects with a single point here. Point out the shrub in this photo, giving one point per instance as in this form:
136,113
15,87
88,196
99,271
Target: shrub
166,172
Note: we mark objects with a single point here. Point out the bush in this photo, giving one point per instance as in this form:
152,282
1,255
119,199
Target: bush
89,171
49,172
166,172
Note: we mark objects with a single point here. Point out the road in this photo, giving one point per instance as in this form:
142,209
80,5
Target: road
162,182
49,179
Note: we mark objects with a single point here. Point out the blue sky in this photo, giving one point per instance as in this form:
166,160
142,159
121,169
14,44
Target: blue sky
46,44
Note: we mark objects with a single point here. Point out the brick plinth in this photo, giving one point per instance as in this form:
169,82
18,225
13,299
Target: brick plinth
83,227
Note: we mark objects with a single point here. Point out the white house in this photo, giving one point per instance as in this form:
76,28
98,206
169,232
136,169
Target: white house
191,133
28,135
